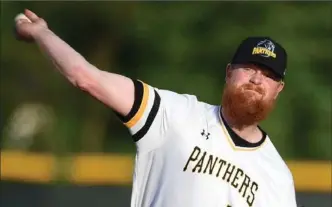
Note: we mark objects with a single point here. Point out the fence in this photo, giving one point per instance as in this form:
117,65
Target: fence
31,179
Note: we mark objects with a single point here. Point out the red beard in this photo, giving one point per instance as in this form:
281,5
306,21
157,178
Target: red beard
243,107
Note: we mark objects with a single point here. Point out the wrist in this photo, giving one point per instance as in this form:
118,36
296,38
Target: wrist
38,33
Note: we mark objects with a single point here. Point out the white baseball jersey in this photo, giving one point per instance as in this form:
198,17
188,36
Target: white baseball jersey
187,156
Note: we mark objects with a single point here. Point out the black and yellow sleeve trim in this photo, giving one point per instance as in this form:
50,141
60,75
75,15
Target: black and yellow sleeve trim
139,106
138,87
152,115
143,94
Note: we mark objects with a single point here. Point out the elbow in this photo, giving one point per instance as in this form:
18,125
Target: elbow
83,84
83,78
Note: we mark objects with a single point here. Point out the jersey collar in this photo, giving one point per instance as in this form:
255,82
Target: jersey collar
236,139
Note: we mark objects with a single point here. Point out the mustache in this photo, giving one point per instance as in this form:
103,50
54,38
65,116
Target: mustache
258,89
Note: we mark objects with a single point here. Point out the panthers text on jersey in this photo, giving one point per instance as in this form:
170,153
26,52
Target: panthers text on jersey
187,156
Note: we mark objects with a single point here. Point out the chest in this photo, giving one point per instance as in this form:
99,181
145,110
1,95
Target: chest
205,158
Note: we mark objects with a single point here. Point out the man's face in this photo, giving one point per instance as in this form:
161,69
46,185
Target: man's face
250,93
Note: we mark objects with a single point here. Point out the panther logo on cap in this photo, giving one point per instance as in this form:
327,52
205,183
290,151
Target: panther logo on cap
265,48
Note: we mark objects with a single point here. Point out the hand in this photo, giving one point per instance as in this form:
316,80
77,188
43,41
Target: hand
28,29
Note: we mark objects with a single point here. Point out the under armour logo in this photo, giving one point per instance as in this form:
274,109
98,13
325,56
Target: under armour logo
206,135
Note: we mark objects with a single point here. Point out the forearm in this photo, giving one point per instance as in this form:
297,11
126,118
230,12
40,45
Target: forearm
64,57
116,91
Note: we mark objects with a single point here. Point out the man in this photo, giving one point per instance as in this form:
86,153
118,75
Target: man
190,153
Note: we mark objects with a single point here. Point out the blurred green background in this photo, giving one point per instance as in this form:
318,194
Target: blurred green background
180,46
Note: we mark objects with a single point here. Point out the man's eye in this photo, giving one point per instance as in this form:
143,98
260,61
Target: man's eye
248,69
272,76
269,75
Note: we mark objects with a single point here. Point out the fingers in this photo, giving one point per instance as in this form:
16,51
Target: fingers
32,16
20,21
21,18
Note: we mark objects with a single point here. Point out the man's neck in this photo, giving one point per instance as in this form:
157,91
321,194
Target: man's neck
250,133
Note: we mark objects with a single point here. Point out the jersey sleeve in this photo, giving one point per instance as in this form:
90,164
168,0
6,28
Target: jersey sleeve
154,113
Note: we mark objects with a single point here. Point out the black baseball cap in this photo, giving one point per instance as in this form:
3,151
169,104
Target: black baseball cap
262,51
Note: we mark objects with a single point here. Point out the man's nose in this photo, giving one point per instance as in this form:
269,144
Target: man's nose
256,78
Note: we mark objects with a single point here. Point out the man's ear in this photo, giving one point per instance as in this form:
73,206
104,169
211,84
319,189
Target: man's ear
228,71
280,88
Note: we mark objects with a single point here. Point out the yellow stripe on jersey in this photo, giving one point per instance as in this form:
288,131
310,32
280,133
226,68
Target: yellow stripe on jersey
141,109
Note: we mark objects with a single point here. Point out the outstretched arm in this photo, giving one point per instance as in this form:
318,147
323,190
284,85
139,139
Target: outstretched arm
116,91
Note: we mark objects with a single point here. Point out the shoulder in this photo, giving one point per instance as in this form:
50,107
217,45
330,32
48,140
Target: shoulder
174,97
187,108
182,102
